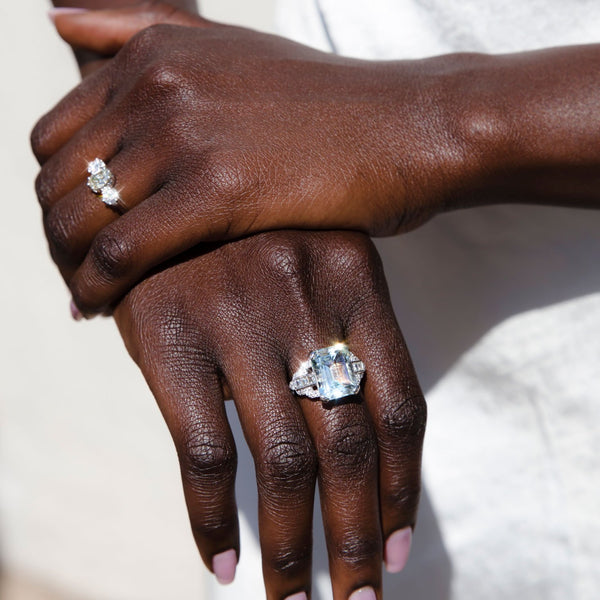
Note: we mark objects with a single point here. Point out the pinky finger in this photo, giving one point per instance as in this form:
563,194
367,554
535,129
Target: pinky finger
399,413
190,398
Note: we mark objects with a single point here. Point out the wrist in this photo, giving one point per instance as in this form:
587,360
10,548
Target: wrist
522,127
443,137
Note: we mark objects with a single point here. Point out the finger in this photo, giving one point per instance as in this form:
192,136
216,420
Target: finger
398,410
107,31
183,378
72,223
286,472
348,480
124,252
66,169
76,109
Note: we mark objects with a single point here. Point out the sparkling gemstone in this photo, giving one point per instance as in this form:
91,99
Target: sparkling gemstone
96,166
100,180
110,196
333,369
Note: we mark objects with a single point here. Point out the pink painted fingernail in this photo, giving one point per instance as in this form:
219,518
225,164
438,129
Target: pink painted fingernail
397,549
298,596
224,565
75,312
367,593
58,11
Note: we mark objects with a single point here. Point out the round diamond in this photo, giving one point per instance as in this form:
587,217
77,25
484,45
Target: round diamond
99,180
110,196
96,166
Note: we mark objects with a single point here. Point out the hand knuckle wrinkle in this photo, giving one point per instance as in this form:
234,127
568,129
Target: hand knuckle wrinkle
406,418
111,256
208,455
288,461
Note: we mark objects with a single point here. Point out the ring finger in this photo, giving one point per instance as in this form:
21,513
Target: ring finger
348,482
74,221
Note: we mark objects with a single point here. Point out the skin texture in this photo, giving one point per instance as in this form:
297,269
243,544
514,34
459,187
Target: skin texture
215,132
243,316
89,60
278,296
196,121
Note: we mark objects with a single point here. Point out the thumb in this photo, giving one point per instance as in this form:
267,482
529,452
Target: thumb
107,31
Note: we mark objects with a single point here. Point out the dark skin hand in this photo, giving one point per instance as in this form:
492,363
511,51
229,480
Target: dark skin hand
196,328
244,315
214,132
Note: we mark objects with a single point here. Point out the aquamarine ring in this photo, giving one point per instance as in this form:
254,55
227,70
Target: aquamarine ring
101,181
329,373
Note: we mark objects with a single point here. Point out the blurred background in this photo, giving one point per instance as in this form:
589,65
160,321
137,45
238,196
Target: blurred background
91,506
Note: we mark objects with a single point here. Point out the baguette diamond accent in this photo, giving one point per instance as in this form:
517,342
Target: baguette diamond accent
330,374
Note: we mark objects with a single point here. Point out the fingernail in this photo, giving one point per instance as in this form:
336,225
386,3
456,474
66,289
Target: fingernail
298,596
397,549
367,593
224,565
57,12
75,312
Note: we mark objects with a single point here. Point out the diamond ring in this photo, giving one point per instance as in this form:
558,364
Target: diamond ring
329,373
101,181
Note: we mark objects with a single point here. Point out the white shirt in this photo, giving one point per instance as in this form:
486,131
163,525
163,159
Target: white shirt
501,310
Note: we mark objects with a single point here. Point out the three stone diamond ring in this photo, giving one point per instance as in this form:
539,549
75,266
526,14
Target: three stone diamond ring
101,181
329,373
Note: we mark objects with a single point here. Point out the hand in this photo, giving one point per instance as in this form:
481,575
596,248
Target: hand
245,315
89,61
215,132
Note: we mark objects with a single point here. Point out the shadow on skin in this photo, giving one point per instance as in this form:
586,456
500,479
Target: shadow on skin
428,573
451,282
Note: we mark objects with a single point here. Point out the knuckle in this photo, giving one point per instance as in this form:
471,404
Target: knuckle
206,455
173,333
57,228
357,550
111,255
169,336
351,447
281,260
354,254
289,562
211,524
288,461
404,419
404,497
165,78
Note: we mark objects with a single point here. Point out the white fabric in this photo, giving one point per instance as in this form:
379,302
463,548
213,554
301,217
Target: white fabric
501,310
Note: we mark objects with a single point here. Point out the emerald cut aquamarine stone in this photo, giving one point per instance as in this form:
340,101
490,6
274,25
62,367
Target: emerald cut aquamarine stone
338,372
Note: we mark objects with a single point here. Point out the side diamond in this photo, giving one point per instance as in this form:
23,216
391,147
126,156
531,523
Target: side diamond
96,166
110,196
